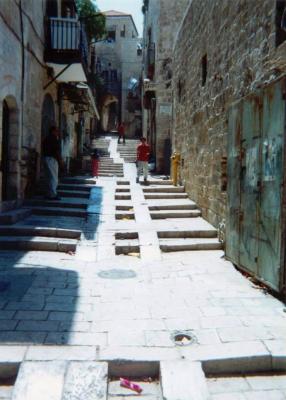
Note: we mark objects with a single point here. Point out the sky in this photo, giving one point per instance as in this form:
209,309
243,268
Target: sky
132,7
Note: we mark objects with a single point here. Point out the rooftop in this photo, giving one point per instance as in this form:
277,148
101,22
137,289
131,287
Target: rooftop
114,13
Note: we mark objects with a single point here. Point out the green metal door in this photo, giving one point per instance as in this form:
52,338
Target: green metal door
270,224
255,176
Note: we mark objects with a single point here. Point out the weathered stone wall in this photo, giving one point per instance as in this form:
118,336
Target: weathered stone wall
23,76
22,90
239,41
163,17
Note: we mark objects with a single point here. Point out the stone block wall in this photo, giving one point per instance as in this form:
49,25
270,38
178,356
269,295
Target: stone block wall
224,50
163,17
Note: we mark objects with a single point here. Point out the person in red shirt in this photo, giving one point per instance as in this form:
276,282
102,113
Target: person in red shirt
121,132
143,153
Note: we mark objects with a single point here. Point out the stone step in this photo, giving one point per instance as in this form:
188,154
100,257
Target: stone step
27,230
122,207
163,182
122,197
39,243
80,181
187,206
127,246
166,196
189,244
110,171
56,203
125,215
74,194
126,235
122,190
164,214
166,189
80,188
61,380
122,182
183,380
67,212
13,216
207,233
111,174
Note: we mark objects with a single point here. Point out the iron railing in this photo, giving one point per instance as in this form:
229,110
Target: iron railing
67,35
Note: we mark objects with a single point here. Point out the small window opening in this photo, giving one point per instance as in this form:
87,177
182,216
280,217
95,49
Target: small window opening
111,35
204,69
280,22
123,32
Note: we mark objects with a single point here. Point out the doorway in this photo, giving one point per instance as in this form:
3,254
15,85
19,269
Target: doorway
5,150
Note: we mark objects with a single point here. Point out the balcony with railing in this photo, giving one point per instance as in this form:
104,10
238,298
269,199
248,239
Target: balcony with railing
66,42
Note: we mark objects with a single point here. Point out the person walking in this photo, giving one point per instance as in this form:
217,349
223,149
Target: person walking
143,152
52,161
121,132
95,162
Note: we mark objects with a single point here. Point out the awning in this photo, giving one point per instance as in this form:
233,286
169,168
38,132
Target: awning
84,86
72,73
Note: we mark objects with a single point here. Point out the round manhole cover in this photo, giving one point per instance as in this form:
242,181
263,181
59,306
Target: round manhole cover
117,274
184,338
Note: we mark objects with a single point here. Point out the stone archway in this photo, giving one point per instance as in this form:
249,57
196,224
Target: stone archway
109,113
10,150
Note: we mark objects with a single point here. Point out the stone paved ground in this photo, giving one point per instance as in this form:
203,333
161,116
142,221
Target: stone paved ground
95,305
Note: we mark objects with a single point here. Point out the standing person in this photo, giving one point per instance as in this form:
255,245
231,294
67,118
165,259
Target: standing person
52,160
121,132
143,152
95,162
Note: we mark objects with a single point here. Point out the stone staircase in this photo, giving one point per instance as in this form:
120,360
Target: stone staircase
91,380
107,166
128,151
171,203
47,225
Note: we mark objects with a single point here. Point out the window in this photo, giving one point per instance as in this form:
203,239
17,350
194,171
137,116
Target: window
280,22
104,75
123,32
113,75
111,35
204,69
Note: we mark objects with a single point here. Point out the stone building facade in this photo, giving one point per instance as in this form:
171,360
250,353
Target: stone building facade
31,99
119,63
223,52
161,21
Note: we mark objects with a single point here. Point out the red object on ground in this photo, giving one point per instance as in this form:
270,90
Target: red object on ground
143,152
130,385
94,167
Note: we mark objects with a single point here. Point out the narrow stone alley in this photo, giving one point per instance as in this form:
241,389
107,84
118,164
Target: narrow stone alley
122,279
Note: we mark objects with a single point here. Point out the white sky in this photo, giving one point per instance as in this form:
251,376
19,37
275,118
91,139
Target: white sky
132,7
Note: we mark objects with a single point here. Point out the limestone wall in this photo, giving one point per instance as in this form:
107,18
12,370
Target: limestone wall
238,40
163,19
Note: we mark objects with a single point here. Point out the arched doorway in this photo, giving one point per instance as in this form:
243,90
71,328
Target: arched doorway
47,120
10,171
48,115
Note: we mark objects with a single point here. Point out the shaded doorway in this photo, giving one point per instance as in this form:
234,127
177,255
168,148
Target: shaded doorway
5,150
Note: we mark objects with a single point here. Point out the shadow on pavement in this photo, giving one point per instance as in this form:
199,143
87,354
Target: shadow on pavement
37,302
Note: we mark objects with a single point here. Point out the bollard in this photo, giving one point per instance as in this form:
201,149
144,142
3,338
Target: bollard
175,165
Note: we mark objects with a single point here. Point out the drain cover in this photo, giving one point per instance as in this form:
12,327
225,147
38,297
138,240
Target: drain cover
117,274
184,338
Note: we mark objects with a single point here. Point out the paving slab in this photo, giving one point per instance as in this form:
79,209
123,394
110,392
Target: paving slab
85,381
183,380
40,380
